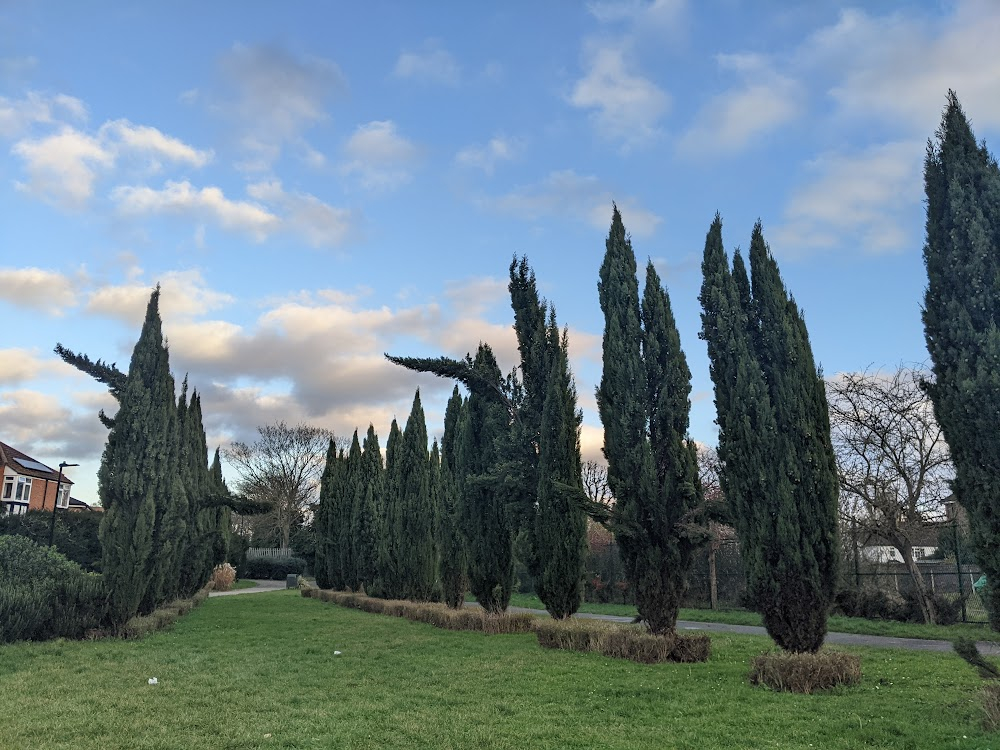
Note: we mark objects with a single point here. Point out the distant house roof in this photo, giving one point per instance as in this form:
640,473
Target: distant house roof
27,466
79,504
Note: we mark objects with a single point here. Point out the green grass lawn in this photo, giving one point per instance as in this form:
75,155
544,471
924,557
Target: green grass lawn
836,624
260,672
243,584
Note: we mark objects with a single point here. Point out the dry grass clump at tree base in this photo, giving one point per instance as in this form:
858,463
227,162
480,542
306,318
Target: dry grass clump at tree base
142,625
623,641
805,672
223,577
438,615
991,706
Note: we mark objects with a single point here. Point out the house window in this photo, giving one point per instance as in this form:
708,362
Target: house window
13,509
63,500
918,553
8,488
23,492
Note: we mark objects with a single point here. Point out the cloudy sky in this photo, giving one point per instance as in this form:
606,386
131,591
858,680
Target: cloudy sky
314,184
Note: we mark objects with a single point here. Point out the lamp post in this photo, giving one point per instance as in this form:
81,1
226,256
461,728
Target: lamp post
55,504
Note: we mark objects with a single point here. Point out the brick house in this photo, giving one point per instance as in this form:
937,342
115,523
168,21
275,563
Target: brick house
29,484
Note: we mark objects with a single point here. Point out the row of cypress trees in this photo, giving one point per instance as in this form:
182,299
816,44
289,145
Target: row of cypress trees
506,476
165,522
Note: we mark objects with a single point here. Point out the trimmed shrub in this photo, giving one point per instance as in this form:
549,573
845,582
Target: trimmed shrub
142,625
872,604
805,672
622,641
76,534
44,595
438,615
272,568
223,577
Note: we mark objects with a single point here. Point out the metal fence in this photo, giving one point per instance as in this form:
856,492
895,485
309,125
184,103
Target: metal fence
268,552
717,581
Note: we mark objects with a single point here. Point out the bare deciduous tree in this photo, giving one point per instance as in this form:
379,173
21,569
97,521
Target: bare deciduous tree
595,482
893,461
283,469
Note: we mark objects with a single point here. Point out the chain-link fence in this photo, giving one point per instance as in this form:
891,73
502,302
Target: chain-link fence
717,581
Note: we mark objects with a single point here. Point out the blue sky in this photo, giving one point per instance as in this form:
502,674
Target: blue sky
314,184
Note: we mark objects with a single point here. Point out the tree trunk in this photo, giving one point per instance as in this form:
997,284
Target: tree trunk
924,596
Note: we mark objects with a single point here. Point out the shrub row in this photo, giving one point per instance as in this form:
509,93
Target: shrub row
805,673
438,615
142,625
271,568
43,595
622,641
875,604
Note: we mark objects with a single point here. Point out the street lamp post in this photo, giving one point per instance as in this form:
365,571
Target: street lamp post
55,504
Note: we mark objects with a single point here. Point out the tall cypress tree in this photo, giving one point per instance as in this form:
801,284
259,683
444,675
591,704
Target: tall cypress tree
197,566
644,406
451,541
324,565
778,473
961,315
486,522
392,539
135,469
344,509
221,527
561,524
367,517
417,551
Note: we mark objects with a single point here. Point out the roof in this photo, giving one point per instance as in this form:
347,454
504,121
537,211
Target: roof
80,504
27,466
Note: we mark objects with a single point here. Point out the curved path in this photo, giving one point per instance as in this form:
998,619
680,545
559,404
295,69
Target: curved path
260,588
843,639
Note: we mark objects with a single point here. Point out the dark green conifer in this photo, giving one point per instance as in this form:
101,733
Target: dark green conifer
560,524
644,406
451,541
779,474
221,514
343,520
486,522
418,553
324,566
136,469
961,315
391,543
367,517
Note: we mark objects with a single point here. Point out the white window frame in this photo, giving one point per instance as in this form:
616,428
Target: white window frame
62,499
22,494
13,509
8,487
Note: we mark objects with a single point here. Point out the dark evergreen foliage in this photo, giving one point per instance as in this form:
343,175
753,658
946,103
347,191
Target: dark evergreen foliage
644,404
451,541
961,315
324,566
417,551
779,472
485,520
136,469
343,517
390,544
367,524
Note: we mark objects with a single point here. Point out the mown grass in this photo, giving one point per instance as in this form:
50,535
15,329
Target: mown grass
836,623
260,672
243,584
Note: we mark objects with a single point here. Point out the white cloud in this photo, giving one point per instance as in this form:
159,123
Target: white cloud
148,140
866,196
639,13
486,157
181,198
731,121
379,157
274,97
579,197
183,295
318,223
432,64
38,289
62,168
18,115
41,426
900,66
624,105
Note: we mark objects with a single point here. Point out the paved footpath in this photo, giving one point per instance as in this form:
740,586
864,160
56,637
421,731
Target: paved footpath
260,588
843,639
